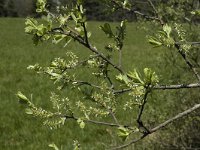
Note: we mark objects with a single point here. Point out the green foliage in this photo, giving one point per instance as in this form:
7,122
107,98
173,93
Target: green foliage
41,6
53,146
162,38
40,31
133,79
98,100
123,133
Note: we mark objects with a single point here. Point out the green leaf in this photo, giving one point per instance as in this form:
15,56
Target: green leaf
107,29
22,98
123,78
63,19
41,6
67,40
150,77
74,17
57,38
81,123
196,12
76,145
135,77
79,1
28,111
167,29
123,133
127,4
53,146
154,41
31,25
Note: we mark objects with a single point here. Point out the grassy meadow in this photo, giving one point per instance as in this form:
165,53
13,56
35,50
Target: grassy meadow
19,131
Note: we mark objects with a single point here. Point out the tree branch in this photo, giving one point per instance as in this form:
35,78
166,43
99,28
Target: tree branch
98,122
76,37
188,62
180,115
156,12
141,110
162,125
145,16
164,87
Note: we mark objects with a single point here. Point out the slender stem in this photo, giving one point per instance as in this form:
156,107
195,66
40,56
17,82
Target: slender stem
98,122
85,83
120,58
145,16
136,11
113,116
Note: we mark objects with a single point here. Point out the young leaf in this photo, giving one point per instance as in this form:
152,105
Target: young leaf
53,146
81,123
58,38
28,111
22,98
123,78
167,29
123,133
107,29
135,77
154,41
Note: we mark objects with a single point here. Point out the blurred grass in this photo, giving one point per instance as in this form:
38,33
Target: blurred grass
21,132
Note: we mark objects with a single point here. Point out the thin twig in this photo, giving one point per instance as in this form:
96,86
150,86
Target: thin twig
156,12
113,116
145,16
188,62
136,12
85,83
120,58
99,122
